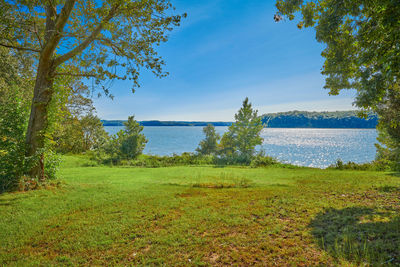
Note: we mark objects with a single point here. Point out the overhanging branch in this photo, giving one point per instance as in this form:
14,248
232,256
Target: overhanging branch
76,74
20,48
88,40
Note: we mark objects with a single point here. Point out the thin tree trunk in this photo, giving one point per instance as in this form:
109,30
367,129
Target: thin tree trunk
38,121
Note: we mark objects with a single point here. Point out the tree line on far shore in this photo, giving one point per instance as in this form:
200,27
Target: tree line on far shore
290,119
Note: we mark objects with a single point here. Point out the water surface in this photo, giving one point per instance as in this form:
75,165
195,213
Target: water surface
304,147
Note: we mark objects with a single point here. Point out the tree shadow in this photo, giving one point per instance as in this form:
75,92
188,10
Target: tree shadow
389,189
359,234
9,201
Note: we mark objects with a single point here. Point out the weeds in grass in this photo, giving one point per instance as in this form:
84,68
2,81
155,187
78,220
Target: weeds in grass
223,180
369,166
165,216
359,234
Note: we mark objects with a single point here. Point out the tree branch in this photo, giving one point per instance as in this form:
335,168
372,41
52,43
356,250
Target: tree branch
55,28
88,40
20,48
37,35
76,74
62,18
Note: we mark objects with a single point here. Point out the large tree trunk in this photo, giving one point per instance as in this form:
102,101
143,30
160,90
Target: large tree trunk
38,121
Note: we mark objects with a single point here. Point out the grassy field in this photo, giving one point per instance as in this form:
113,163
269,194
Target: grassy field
204,216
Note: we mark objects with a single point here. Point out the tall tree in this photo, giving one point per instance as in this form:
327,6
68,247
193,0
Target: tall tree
362,43
99,39
209,145
243,135
362,49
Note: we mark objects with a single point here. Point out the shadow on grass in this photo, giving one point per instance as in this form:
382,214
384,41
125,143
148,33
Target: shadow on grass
389,189
359,234
397,174
9,201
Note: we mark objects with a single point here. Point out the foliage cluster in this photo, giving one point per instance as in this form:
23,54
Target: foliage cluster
126,145
77,129
306,119
70,130
369,166
104,40
186,159
361,52
13,123
15,85
389,130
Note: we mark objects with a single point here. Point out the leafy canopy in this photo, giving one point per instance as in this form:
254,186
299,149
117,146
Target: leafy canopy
103,39
363,53
362,43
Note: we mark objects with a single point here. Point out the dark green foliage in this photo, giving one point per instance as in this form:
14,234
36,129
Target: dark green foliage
306,119
189,159
209,146
13,122
369,166
389,130
260,160
15,85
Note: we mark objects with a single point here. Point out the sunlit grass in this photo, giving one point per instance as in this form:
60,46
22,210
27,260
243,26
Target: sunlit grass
203,216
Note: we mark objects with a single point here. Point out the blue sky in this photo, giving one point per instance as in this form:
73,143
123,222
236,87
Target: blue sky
224,51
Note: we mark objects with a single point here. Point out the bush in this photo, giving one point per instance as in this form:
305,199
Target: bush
233,159
12,140
128,144
209,146
167,161
263,161
369,166
152,161
14,164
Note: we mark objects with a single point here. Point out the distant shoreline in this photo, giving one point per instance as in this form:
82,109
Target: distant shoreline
166,123
264,127
291,119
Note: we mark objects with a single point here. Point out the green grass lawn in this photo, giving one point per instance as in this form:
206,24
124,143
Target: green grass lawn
204,216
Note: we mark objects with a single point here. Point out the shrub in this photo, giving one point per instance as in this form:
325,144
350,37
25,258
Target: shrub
369,166
128,144
12,140
209,146
263,161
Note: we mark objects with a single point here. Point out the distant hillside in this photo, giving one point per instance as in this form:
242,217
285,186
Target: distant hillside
166,123
291,119
305,119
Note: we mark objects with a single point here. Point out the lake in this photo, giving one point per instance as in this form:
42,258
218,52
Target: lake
304,147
